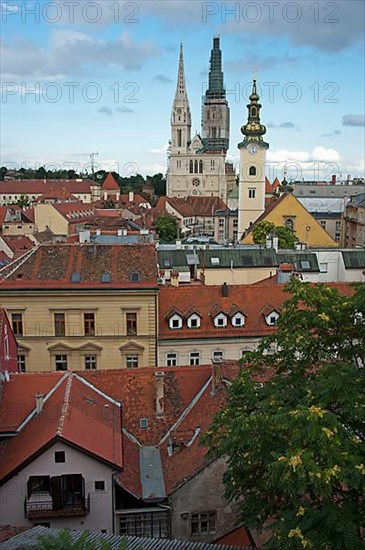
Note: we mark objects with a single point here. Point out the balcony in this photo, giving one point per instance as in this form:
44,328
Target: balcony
44,506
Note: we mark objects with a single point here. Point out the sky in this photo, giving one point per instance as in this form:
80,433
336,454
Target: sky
81,77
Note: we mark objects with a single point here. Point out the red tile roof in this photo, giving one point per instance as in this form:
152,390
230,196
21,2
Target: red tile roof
57,194
208,302
40,186
110,184
72,412
52,265
192,206
136,390
18,244
189,407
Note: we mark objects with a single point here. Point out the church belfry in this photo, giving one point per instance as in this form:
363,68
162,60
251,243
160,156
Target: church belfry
180,115
215,113
252,166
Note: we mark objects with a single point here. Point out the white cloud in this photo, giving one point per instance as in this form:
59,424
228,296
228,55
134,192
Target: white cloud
318,154
72,53
159,151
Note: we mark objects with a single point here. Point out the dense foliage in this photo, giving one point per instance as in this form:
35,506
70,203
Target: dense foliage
293,431
166,227
261,230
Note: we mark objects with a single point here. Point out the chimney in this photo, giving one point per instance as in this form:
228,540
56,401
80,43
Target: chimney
160,393
39,402
216,375
333,179
225,290
131,196
174,279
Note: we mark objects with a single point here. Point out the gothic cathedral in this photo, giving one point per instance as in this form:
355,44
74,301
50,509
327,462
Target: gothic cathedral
198,166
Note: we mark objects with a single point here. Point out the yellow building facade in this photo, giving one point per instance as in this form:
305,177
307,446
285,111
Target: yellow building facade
287,211
101,314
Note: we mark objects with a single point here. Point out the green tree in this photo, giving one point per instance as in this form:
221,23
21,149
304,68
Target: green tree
293,429
260,231
166,227
3,172
287,238
159,184
23,201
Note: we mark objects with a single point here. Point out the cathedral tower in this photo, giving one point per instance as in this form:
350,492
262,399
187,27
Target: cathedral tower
197,166
215,113
252,166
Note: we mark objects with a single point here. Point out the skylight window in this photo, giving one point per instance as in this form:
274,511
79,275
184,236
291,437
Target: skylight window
106,277
134,277
75,277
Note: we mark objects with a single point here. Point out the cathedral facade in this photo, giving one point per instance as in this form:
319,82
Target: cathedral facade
197,166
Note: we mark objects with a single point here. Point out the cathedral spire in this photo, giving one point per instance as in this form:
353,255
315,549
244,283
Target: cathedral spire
181,93
216,86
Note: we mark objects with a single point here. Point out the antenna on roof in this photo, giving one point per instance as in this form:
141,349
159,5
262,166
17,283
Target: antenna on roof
92,161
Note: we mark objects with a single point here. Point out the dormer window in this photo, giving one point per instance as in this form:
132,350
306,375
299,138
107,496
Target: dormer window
175,322
220,320
193,321
238,320
271,318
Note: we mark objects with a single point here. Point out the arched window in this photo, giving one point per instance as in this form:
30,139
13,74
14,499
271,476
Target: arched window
200,167
290,224
191,167
253,111
196,167
214,132
252,171
179,138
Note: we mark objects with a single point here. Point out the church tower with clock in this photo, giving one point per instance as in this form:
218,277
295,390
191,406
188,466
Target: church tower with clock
197,166
251,202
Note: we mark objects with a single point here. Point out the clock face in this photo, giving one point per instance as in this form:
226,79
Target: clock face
252,149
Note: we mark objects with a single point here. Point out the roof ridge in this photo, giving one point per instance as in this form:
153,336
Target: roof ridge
186,410
65,405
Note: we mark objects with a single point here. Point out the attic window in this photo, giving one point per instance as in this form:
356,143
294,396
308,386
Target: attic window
214,261
272,318
193,321
75,277
238,320
175,322
143,423
134,277
106,277
220,320
167,262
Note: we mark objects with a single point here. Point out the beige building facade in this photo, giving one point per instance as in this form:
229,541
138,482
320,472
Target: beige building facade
83,307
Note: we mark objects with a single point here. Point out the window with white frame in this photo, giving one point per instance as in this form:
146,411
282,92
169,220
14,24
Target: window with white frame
175,321
22,367
194,358
90,362
272,318
217,355
132,361
61,362
238,320
171,359
193,321
220,320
